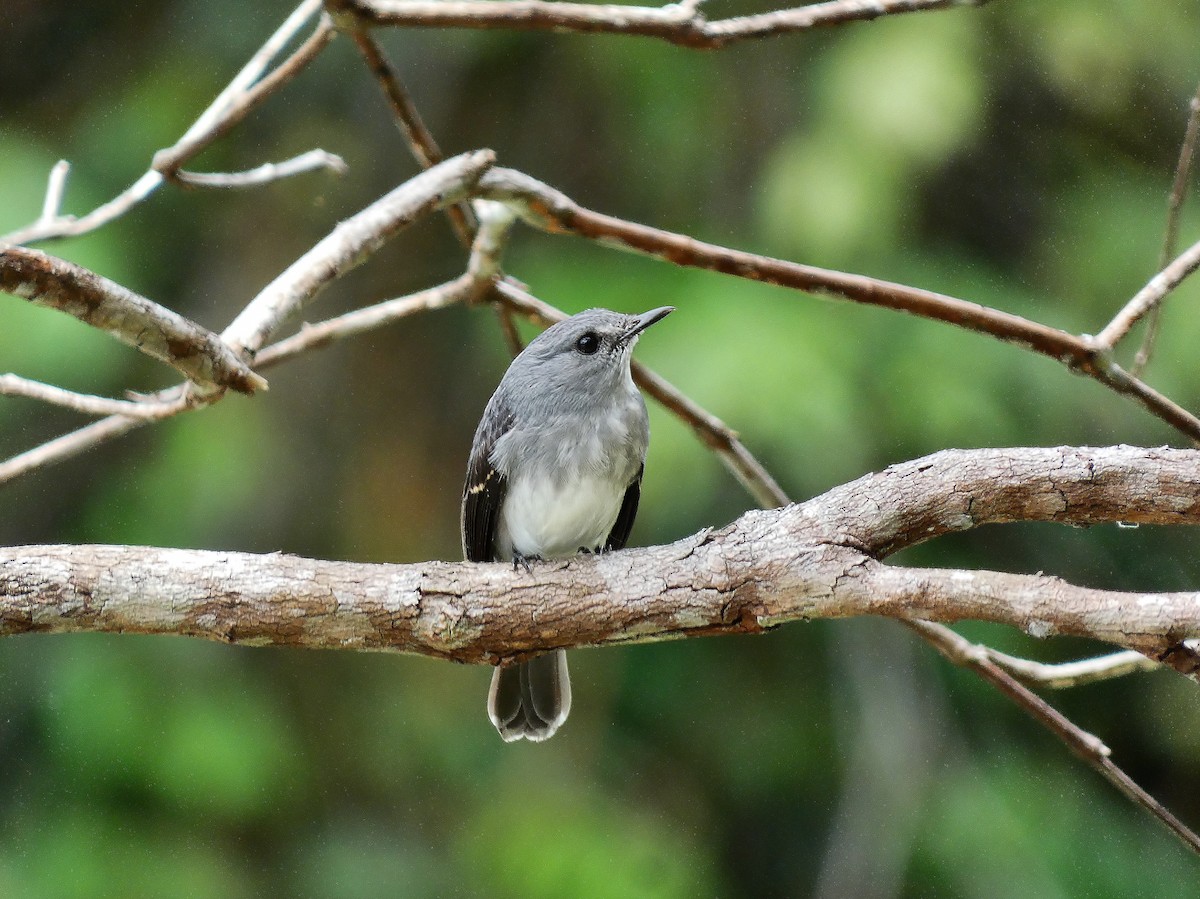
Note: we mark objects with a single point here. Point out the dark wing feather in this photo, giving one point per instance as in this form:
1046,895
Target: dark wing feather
483,493
624,523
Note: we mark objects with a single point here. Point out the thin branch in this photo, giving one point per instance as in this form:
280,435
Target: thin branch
168,161
1072,674
420,140
351,243
1183,171
311,161
550,210
1083,744
68,446
1150,296
70,226
55,187
254,69
713,432
231,106
680,23
311,337
134,320
1179,186
507,323
13,385
483,268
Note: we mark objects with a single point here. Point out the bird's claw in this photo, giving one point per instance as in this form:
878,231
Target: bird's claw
521,560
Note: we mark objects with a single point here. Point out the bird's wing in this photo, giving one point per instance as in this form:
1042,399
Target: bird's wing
624,523
483,493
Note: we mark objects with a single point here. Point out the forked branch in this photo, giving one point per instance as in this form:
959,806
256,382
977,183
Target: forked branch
678,23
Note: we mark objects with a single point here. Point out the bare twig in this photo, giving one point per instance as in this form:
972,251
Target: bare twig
55,186
155,330
1072,674
68,445
1179,186
324,333
1183,171
420,140
507,323
1085,745
69,225
255,68
237,99
351,243
239,105
680,23
266,173
13,385
1150,296
550,210
713,432
482,269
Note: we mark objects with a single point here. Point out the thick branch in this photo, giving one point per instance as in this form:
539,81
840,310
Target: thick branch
155,330
767,568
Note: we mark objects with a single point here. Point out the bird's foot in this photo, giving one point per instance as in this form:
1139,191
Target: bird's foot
520,560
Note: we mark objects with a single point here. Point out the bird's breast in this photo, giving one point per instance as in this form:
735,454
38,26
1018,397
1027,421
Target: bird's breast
567,475
556,517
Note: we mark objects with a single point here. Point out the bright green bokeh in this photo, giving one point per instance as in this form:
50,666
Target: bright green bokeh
1017,154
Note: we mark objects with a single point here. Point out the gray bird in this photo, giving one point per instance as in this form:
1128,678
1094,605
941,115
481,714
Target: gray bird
556,469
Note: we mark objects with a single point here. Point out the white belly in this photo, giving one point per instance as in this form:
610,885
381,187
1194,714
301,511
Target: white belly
552,521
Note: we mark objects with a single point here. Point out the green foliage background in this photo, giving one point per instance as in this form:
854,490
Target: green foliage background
1018,155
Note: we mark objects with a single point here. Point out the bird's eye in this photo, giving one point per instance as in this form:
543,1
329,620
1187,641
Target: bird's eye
588,343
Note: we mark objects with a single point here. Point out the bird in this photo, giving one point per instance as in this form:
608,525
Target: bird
555,470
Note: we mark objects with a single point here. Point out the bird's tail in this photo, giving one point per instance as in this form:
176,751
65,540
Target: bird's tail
530,700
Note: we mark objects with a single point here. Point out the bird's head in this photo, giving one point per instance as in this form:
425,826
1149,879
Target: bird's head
583,357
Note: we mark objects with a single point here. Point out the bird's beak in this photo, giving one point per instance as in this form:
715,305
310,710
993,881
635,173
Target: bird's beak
640,323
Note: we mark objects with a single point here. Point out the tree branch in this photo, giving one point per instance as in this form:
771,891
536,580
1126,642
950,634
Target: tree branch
1179,188
420,140
1151,295
13,385
158,332
323,333
351,243
311,161
767,568
1071,674
248,89
550,210
232,107
677,23
348,245
1085,745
